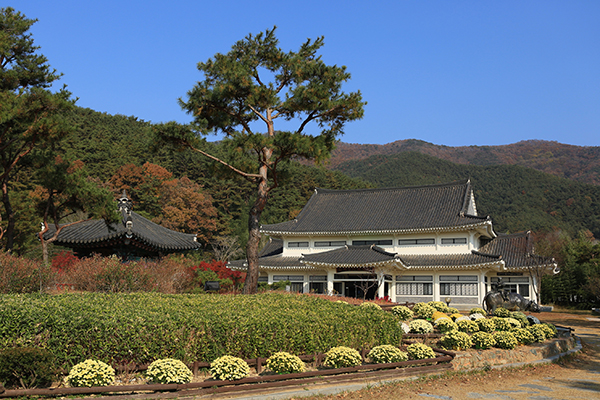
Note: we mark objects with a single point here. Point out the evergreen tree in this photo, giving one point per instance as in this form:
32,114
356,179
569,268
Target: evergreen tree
257,82
31,116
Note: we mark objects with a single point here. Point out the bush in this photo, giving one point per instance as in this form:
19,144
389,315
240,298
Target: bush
368,304
143,327
538,333
519,316
476,316
229,368
405,328
483,340
502,324
22,275
439,305
419,351
387,354
455,316
341,357
477,310
486,325
90,373
456,340
446,325
505,340
27,367
523,336
167,371
501,312
423,310
402,312
437,315
453,310
285,363
467,326
514,323
550,330
420,326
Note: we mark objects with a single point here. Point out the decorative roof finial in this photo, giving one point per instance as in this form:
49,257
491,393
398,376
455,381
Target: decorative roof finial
125,204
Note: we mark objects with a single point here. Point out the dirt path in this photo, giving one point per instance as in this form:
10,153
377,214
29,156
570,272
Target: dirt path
574,377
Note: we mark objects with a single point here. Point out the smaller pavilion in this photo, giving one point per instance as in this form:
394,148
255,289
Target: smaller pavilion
132,237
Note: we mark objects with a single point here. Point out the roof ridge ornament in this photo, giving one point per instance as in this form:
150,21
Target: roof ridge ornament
125,203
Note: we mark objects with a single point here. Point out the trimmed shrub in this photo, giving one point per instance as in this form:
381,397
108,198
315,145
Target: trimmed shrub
402,312
514,324
423,310
455,316
368,304
437,315
446,325
168,371
523,336
22,275
419,351
387,354
341,357
486,325
501,312
476,316
420,326
550,330
439,305
477,310
456,340
453,310
467,326
483,340
90,373
229,368
505,340
502,324
28,367
538,332
519,316
285,363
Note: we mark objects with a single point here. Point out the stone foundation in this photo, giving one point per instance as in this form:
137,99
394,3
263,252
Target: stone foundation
479,359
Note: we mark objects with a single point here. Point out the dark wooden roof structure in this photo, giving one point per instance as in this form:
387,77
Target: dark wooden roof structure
395,210
133,236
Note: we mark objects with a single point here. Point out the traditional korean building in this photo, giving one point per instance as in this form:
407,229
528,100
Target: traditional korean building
413,244
132,237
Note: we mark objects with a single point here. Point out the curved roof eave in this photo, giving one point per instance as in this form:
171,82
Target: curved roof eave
486,223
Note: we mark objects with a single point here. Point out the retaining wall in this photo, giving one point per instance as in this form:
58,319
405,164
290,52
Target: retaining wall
478,359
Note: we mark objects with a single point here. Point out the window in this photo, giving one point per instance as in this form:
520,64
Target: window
514,283
332,243
454,240
370,242
458,285
414,242
317,287
297,244
417,285
263,278
291,278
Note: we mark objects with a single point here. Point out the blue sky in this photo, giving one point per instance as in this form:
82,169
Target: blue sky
453,73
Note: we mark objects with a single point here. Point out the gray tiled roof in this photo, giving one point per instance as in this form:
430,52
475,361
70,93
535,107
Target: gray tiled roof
350,255
516,250
382,210
92,233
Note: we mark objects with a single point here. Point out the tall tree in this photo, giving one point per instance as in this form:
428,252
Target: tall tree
30,115
254,85
67,195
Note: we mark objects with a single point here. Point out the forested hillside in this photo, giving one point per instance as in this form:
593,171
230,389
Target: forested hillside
566,161
516,198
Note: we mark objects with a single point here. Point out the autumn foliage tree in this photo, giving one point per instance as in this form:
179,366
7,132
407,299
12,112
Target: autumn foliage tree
253,86
178,204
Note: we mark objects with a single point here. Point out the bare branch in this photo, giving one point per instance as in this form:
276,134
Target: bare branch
251,177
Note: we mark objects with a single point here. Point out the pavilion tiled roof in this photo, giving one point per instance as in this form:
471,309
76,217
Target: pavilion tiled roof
405,209
96,232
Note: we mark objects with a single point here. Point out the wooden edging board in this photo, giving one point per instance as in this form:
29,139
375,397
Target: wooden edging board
439,363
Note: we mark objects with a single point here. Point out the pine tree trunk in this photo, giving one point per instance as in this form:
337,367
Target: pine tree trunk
10,218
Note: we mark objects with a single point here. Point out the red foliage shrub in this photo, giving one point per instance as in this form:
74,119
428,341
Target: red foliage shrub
217,270
22,275
64,261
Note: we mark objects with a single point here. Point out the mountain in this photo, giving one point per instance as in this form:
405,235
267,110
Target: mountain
517,198
577,163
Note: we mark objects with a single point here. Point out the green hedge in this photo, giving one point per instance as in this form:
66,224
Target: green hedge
142,327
